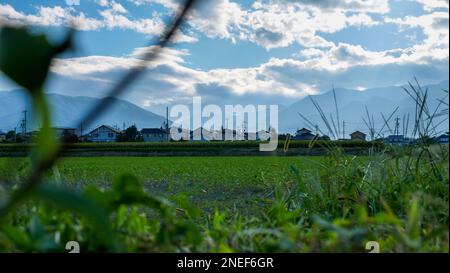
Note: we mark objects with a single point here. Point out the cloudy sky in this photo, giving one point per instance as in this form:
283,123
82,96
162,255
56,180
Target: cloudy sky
242,51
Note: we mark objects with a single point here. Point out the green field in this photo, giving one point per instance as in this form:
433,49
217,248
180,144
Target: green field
231,204
209,182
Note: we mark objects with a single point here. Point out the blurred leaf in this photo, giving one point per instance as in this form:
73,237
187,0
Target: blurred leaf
46,141
414,219
16,235
64,198
128,189
35,228
26,58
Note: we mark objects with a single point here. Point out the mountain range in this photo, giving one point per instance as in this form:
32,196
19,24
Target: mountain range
68,110
352,108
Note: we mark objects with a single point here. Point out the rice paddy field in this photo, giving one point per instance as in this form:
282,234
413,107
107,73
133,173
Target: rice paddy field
209,182
332,203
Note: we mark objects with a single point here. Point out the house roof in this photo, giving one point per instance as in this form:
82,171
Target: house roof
357,133
306,134
63,128
304,129
108,127
152,131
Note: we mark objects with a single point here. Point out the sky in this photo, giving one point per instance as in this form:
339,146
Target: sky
260,52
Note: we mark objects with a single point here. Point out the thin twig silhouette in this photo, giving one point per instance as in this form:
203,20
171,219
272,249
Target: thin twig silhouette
150,55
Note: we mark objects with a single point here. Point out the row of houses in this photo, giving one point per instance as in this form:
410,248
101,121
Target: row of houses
398,140
305,134
105,133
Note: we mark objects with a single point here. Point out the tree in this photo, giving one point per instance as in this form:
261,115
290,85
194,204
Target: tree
69,137
11,136
130,134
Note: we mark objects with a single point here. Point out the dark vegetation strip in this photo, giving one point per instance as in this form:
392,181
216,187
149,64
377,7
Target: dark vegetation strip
240,148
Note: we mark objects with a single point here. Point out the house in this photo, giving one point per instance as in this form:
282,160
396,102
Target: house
251,135
64,131
202,134
154,135
103,133
357,135
303,134
262,135
442,139
396,139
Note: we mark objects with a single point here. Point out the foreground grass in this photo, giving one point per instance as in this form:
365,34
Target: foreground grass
296,204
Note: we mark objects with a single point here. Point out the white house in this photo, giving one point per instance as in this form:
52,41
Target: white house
303,134
442,139
154,135
357,135
103,133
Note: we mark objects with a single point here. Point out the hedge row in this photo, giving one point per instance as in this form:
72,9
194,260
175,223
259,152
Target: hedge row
213,145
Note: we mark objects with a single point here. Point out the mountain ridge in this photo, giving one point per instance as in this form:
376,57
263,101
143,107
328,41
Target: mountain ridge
351,104
67,111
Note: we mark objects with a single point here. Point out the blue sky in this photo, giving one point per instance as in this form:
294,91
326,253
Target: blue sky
261,51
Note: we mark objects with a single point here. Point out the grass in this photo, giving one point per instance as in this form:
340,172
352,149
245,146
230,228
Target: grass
222,182
334,203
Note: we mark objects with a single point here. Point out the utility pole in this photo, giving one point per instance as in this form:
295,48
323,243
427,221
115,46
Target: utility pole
81,130
23,124
167,124
343,129
317,129
397,125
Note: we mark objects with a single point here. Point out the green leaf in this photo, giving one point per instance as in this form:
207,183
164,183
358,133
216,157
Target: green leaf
26,57
128,189
35,228
65,198
16,235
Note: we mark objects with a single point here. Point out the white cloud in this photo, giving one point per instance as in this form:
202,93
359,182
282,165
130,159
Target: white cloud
274,24
114,20
430,5
371,6
281,23
170,79
268,23
110,18
103,3
435,27
113,5
47,16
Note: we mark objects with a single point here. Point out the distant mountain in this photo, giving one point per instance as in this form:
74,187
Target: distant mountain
351,105
67,111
